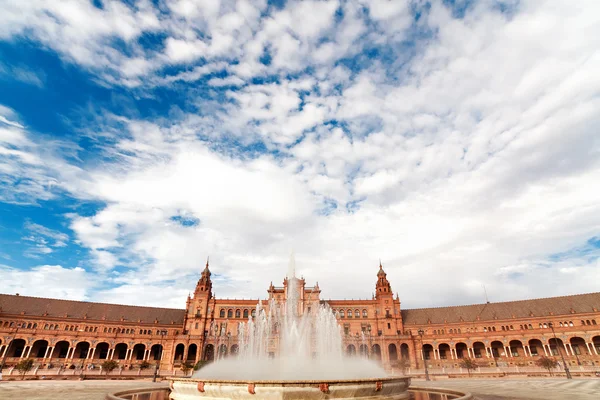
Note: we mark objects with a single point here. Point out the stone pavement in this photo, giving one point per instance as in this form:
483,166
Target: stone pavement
522,389
66,390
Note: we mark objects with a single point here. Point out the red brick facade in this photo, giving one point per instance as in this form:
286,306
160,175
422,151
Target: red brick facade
62,332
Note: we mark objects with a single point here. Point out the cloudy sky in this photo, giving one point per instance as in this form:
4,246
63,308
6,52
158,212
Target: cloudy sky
457,141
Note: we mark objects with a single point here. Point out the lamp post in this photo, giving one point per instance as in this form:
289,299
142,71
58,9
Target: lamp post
567,372
162,334
420,332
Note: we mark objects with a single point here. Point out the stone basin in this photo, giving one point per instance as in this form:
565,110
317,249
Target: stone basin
378,388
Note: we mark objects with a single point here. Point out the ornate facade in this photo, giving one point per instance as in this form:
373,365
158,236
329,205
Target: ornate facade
62,332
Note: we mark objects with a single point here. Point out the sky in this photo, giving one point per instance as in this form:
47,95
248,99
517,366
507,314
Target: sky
455,141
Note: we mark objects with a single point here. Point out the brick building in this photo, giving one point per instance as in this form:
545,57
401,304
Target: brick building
63,332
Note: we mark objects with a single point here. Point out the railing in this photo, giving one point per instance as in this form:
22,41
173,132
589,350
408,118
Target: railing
512,370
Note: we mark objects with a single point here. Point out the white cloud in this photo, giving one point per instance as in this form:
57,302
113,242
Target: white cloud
471,164
52,281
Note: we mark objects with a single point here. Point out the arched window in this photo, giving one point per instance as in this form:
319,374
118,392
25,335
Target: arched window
570,323
222,313
349,314
365,314
530,326
587,322
593,322
582,322
229,313
560,324
245,313
253,313
356,313
341,313
238,313
494,328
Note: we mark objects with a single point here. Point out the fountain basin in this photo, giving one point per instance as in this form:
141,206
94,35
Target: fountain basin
383,388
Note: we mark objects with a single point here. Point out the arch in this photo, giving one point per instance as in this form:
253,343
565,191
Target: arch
209,352
245,314
578,346
222,351
101,352
444,351
222,313
461,350
478,349
17,347
556,346
427,351
139,351
498,349
596,343
156,352
38,349
365,313
81,350
61,349
120,351
192,352
363,350
341,313
404,352
393,352
179,350
253,313
230,313
376,352
536,347
238,313
357,313
235,349
349,313
516,348
351,350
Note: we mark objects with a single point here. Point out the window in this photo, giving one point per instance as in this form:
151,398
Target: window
365,314
341,313
349,313
530,326
246,314
229,313
533,350
389,326
196,327
346,329
238,313
593,322
253,313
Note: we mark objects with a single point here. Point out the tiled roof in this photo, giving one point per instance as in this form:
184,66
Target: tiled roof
564,305
37,306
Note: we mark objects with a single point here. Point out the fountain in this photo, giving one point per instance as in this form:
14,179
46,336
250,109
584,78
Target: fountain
285,354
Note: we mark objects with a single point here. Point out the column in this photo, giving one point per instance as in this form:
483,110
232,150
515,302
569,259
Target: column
50,351
594,348
422,355
111,353
471,352
25,351
569,349
46,352
93,352
452,353
545,352
435,354
527,350
2,350
488,352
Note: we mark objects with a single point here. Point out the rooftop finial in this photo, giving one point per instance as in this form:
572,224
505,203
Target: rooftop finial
207,261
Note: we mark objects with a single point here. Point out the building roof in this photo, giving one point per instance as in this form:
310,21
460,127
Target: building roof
54,308
546,307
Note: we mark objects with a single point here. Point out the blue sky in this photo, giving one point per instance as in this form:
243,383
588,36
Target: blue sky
455,140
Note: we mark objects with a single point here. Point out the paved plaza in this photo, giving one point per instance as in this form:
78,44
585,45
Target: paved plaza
483,389
522,389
